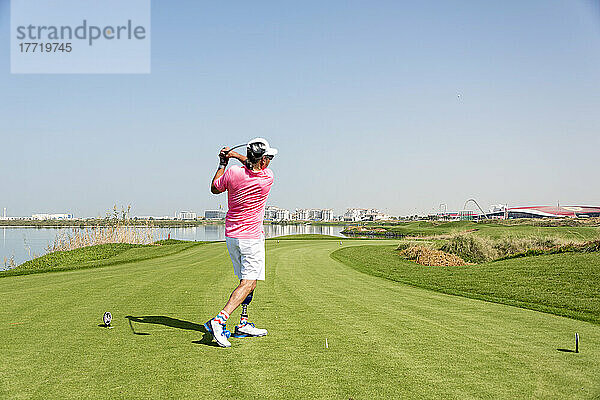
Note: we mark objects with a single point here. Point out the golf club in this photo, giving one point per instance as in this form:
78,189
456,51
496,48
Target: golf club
235,147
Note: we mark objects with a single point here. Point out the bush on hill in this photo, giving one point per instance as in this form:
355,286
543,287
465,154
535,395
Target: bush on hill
478,249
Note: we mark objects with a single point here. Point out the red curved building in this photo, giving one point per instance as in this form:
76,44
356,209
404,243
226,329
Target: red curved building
549,212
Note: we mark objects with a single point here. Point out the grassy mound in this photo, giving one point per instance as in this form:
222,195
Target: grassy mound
98,256
587,247
481,249
561,284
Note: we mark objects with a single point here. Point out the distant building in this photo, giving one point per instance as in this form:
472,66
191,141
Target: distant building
545,212
186,215
502,211
462,215
300,214
46,217
214,214
327,214
313,214
152,218
273,213
354,214
364,214
467,215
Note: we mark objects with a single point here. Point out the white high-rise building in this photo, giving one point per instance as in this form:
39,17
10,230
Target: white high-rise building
313,214
301,214
327,214
273,213
186,215
364,214
354,214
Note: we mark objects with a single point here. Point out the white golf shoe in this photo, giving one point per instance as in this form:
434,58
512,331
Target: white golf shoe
219,332
248,330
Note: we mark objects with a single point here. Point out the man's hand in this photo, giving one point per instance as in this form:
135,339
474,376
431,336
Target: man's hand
237,156
224,156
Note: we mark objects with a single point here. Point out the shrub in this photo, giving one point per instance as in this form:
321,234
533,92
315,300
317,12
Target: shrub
426,256
470,248
479,249
403,246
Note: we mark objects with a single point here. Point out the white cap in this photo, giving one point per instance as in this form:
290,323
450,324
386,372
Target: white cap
269,151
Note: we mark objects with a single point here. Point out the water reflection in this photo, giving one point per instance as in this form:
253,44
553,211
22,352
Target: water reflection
24,242
283,230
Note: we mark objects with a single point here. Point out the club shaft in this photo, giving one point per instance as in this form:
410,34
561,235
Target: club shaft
235,147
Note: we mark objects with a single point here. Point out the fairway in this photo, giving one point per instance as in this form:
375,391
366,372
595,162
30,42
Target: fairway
386,339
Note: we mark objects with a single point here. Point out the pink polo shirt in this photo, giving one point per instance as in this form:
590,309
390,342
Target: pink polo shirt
247,193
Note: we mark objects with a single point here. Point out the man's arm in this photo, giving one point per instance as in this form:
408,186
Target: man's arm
224,155
223,160
218,174
237,156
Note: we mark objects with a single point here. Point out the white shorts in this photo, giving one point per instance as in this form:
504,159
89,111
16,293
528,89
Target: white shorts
248,257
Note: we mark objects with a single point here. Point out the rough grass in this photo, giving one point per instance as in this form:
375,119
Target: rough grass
483,249
562,284
430,257
587,247
478,249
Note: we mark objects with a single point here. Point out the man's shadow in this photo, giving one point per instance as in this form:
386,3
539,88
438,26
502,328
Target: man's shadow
173,323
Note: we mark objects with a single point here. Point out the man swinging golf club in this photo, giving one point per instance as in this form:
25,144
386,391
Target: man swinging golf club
247,189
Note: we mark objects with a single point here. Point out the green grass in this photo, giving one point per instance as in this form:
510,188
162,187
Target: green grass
565,284
491,230
386,339
98,256
579,233
308,236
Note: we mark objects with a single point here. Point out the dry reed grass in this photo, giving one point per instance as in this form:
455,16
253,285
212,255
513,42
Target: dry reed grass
433,258
480,249
9,262
118,230
119,233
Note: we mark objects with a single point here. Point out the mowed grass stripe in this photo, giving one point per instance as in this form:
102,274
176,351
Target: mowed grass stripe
565,284
386,340
420,320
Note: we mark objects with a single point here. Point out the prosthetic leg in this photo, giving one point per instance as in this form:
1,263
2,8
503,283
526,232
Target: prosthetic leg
244,315
245,328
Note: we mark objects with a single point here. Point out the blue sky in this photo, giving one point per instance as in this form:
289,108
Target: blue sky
361,98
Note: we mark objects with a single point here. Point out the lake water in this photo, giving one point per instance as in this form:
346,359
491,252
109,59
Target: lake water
24,243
